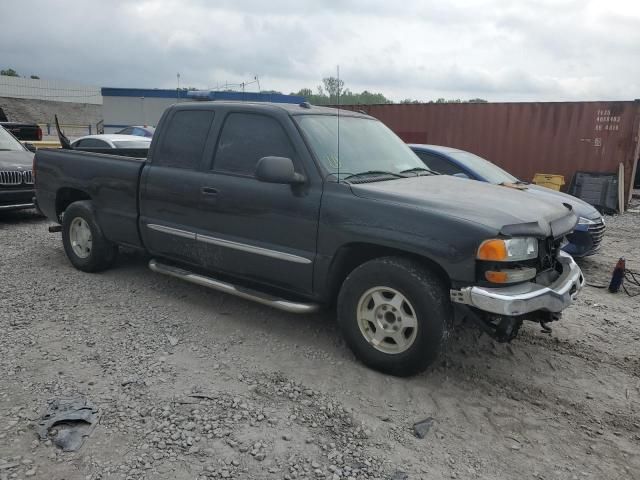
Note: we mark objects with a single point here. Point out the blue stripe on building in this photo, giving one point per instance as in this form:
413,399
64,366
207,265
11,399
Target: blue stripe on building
142,92
201,95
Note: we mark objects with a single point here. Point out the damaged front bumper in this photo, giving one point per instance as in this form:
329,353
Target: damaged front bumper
517,300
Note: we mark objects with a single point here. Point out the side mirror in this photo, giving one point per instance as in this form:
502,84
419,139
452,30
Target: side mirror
461,175
277,170
30,146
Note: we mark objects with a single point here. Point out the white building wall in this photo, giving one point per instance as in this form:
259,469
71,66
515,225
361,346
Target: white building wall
119,112
54,90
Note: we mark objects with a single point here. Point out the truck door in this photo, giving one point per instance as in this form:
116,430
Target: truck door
170,196
260,231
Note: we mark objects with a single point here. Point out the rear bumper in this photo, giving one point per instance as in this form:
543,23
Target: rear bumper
526,297
16,199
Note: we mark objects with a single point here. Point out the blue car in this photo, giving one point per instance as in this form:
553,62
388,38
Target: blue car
585,239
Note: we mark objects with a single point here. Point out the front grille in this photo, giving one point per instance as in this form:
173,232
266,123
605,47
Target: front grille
597,232
10,178
547,254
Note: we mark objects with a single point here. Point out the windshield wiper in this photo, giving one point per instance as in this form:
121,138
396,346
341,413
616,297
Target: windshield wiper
417,170
374,172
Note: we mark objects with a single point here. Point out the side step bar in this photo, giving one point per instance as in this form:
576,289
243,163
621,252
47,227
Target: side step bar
238,291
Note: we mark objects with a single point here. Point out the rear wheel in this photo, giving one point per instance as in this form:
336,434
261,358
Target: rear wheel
394,315
85,245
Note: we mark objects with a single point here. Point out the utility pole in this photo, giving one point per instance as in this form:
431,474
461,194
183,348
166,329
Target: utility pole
178,75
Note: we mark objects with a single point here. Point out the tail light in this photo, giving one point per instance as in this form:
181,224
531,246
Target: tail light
39,134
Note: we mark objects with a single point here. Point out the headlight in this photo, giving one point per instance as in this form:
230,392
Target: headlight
585,221
508,250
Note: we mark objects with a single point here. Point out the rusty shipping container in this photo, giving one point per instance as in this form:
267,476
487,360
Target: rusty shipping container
526,138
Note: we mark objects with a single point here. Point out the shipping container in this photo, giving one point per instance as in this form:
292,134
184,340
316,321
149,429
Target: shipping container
526,138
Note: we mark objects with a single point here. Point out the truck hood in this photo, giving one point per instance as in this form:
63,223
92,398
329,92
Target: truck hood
16,160
506,210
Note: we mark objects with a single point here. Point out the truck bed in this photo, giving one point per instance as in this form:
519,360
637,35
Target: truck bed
110,181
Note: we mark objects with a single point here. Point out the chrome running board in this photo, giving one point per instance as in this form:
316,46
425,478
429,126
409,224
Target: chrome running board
17,206
238,291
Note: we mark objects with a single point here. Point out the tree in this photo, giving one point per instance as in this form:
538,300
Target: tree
9,72
333,86
34,77
477,100
327,94
303,92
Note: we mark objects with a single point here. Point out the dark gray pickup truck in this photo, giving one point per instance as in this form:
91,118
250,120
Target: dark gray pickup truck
264,202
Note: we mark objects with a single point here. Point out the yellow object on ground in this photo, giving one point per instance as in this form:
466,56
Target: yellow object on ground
554,182
45,143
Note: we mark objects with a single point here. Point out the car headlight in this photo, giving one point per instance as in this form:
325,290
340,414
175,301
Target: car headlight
585,221
508,250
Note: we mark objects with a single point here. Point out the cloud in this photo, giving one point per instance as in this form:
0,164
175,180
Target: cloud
497,49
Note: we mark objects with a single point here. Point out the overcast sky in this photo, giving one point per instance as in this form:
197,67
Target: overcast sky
497,49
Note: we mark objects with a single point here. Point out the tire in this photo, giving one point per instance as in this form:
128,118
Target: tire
95,255
380,285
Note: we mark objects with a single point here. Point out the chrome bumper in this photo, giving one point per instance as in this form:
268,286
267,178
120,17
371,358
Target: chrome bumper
526,297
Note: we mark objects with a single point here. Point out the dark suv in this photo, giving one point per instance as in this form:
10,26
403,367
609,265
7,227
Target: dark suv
16,177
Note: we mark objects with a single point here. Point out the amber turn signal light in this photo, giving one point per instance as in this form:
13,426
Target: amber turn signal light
496,277
493,250
511,275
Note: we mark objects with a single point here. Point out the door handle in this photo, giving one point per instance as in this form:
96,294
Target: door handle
208,191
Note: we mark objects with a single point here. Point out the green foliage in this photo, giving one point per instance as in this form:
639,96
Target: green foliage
332,91
457,100
443,100
9,72
327,94
34,77
334,87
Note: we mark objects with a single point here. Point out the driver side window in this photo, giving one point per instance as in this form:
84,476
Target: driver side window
245,139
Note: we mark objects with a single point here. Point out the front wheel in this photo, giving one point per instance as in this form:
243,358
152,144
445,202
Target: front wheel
394,314
85,245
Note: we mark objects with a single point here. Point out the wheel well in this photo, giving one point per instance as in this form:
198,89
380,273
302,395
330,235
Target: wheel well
66,196
353,255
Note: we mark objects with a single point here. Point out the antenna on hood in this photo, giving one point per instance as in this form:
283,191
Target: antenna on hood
338,117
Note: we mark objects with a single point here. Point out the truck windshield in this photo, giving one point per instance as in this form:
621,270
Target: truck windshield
366,145
7,142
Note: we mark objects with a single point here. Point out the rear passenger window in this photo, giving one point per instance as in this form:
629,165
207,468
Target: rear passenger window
245,139
184,139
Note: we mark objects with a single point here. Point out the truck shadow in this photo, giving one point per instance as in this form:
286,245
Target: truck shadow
20,217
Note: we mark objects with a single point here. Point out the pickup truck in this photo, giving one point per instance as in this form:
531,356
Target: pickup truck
299,207
21,130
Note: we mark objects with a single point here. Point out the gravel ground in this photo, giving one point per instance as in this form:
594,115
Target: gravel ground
194,384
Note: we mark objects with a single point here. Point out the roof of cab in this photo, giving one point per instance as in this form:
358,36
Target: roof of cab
291,108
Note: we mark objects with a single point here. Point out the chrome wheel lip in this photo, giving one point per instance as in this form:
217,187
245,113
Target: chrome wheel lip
384,320
80,237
